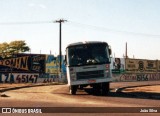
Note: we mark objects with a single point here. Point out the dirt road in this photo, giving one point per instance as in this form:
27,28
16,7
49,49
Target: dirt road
58,96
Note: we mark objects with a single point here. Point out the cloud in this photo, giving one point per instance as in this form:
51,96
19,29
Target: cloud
42,6
31,5
37,5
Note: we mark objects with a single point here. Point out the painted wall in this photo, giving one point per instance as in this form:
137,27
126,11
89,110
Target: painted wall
37,68
141,65
31,68
29,78
23,63
128,70
52,64
132,77
117,65
120,65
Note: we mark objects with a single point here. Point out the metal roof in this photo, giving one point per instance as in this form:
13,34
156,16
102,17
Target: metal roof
85,42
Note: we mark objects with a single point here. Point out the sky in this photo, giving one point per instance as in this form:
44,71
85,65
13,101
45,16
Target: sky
116,22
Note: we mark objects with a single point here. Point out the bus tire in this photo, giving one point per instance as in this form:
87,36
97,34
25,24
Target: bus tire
96,89
105,88
73,89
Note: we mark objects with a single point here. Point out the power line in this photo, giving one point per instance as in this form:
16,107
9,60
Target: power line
111,30
21,23
99,28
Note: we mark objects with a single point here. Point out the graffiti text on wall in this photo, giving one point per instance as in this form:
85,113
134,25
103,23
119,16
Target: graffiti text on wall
18,78
23,63
38,63
139,65
138,77
18,63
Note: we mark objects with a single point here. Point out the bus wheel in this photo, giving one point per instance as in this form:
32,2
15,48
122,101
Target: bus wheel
73,89
105,88
96,89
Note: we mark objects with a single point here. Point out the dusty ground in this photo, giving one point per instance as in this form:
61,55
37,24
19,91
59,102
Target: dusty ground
150,89
147,89
49,96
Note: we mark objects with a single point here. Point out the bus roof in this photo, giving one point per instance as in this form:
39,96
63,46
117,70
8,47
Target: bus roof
85,42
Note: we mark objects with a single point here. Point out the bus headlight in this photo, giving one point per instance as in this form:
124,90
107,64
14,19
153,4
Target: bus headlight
107,70
73,76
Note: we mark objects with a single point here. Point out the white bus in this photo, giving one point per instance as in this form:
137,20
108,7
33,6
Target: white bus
88,63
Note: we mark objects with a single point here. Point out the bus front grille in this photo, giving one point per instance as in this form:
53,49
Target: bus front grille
90,74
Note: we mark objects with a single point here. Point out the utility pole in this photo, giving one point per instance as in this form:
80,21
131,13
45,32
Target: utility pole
60,51
126,51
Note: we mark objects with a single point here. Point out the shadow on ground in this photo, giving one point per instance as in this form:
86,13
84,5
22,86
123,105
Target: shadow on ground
119,93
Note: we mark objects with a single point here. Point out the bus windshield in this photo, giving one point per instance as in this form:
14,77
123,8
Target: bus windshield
88,54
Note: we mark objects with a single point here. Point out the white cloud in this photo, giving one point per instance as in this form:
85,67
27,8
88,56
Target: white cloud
42,6
37,5
31,5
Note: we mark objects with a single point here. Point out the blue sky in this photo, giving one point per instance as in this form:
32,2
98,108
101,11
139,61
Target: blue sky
136,22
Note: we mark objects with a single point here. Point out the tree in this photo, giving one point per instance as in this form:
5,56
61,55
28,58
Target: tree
18,47
4,49
14,47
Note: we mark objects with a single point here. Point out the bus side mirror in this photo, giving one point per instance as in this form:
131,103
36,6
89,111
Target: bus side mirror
110,51
65,60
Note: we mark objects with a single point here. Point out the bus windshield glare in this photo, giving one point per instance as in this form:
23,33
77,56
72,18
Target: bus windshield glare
88,54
